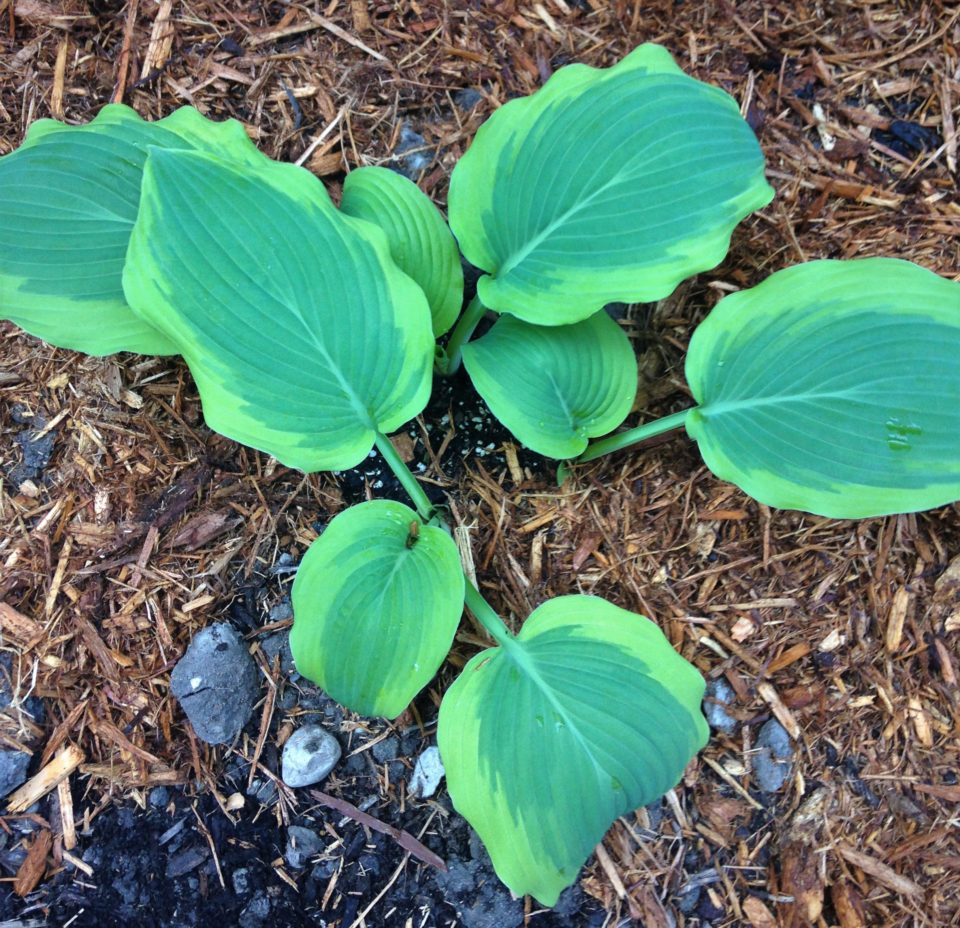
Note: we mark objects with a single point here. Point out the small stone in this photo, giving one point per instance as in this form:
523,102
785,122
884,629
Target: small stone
309,755
282,611
13,770
241,881
279,644
386,750
256,913
467,98
216,683
427,774
411,157
688,899
302,844
718,699
159,797
772,761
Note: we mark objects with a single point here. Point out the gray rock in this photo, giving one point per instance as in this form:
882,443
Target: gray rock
282,611
279,643
718,699
216,683
256,913
309,755
773,758
264,791
411,157
467,98
427,774
386,750
302,844
13,770
480,899
159,797
241,881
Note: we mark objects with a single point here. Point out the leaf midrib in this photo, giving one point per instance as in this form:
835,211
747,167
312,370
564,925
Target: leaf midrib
525,662
728,406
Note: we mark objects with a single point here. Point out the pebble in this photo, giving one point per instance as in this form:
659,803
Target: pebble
279,644
386,750
302,844
217,684
773,758
309,755
13,770
427,774
411,165
718,699
467,98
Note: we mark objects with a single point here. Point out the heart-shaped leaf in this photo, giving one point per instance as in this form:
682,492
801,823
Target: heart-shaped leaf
420,242
303,336
555,387
586,715
833,387
376,604
68,201
604,185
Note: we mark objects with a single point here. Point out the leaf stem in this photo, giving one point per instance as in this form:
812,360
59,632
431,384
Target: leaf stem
460,335
484,612
488,618
633,436
403,473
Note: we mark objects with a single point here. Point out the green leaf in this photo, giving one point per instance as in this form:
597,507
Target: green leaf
555,387
68,201
376,607
587,715
833,387
420,242
604,185
303,336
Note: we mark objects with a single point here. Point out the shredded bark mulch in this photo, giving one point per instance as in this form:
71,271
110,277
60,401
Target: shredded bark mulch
126,526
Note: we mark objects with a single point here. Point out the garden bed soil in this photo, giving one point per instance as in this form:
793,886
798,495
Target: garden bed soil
828,794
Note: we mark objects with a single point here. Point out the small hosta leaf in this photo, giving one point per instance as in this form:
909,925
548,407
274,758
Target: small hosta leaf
555,387
587,715
68,200
376,604
604,185
420,242
833,387
303,336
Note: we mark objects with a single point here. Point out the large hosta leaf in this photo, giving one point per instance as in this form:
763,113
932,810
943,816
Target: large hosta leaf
604,185
587,715
555,387
302,334
68,201
376,604
833,387
420,242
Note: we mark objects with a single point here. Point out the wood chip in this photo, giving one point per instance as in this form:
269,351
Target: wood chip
879,871
783,714
35,864
45,779
895,619
757,913
17,625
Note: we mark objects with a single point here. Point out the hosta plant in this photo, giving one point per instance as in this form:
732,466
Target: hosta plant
311,331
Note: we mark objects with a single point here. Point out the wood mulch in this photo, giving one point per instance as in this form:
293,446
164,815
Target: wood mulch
144,527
